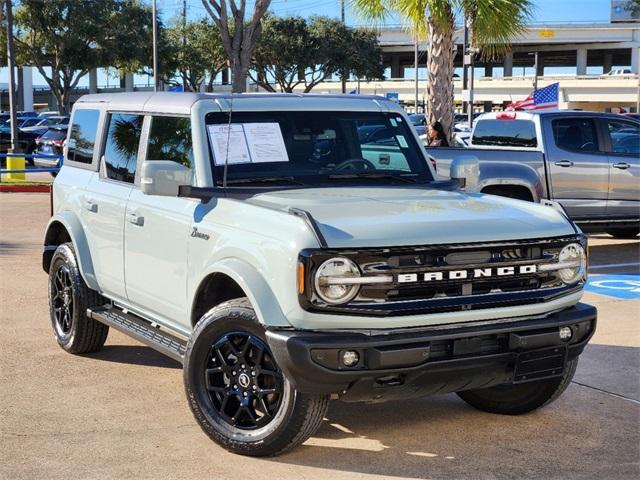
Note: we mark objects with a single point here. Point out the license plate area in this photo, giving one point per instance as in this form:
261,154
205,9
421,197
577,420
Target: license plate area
540,364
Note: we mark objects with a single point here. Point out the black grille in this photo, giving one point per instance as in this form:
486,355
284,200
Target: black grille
414,288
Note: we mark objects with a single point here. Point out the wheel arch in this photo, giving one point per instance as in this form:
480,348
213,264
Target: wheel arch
66,227
233,278
520,178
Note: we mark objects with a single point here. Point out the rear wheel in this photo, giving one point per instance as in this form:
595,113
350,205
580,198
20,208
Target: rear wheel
236,390
622,233
521,398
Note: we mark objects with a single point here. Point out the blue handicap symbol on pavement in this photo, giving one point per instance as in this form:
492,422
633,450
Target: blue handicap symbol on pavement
617,286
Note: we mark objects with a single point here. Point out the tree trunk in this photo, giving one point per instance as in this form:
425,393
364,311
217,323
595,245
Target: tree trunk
440,66
239,77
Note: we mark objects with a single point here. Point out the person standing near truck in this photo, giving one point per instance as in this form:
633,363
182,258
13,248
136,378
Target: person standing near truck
437,137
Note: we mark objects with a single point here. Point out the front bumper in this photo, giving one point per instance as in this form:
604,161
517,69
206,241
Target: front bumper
405,363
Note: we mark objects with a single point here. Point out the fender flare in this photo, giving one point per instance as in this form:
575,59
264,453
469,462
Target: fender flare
503,174
73,226
253,284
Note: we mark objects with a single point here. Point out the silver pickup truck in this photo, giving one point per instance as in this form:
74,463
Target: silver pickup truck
588,162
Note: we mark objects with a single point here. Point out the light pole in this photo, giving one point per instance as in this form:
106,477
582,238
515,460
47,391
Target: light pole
155,47
343,80
10,65
415,64
535,70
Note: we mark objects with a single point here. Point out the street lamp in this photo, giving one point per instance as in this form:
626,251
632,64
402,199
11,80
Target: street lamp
535,70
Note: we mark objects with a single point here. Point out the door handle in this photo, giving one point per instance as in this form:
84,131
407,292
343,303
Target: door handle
621,165
91,206
564,163
135,219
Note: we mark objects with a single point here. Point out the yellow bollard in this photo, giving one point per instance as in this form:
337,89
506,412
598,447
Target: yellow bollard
16,163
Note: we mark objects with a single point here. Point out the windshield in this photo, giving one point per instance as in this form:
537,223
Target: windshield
315,148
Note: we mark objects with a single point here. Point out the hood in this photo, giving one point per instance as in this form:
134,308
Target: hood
383,217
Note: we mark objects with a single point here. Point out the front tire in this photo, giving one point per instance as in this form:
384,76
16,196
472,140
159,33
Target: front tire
237,392
521,398
69,298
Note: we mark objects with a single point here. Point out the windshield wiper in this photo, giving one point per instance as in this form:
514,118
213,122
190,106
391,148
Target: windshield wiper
239,181
373,175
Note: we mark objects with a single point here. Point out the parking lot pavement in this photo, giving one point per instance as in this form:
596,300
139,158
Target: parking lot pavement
121,413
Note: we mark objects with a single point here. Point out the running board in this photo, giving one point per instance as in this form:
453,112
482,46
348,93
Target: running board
141,330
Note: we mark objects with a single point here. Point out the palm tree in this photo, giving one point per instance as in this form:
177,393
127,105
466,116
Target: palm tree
494,23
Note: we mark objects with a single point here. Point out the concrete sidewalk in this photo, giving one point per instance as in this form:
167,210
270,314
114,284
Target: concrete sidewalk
122,413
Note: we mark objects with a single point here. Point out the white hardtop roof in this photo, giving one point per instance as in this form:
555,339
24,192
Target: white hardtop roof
182,103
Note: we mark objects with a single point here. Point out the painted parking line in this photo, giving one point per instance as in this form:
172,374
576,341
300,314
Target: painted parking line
616,286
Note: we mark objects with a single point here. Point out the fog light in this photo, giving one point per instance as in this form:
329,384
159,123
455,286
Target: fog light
350,358
565,334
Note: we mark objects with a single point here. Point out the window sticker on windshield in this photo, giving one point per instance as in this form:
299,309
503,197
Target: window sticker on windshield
237,152
393,122
249,143
265,142
399,119
402,141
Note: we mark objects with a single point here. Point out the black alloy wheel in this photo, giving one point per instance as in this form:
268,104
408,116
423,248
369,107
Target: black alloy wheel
61,293
244,383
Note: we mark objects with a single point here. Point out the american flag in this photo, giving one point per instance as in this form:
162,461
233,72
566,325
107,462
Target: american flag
539,99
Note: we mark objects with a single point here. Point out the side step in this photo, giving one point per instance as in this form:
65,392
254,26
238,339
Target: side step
141,330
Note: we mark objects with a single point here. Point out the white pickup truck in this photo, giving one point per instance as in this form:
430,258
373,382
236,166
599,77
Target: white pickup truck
588,162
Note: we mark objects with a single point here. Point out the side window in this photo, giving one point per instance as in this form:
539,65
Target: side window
170,139
83,136
625,137
121,148
575,134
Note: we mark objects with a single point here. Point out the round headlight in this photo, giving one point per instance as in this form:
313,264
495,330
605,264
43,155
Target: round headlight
332,280
575,259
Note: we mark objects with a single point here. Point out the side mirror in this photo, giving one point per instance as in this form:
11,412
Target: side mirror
163,177
466,170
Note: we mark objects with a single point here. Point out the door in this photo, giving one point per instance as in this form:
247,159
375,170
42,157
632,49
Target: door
157,230
105,201
623,139
578,169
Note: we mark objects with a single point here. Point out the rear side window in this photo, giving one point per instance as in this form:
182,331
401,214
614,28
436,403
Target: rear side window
505,133
625,137
83,135
170,139
121,148
575,134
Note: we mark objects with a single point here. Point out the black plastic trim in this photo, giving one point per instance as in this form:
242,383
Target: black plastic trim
294,349
311,223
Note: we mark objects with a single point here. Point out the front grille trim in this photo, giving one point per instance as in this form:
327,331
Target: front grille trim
447,295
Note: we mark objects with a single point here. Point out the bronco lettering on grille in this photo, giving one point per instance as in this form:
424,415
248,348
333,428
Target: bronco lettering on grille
466,274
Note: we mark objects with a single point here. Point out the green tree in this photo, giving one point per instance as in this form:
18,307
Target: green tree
294,52
239,35
193,52
65,39
494,23
633,6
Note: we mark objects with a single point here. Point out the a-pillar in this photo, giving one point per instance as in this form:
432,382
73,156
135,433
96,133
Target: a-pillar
395,67
581,61
93,80
508,64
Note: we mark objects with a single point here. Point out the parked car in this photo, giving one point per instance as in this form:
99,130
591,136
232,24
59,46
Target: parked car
50,143
589,162
205,227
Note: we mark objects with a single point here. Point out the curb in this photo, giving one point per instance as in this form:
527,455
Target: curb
4,188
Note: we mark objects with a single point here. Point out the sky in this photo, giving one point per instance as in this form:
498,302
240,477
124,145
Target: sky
546,11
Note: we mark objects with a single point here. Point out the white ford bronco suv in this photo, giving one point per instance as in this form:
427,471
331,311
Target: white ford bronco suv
292,249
